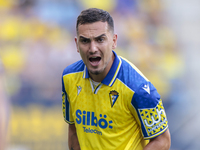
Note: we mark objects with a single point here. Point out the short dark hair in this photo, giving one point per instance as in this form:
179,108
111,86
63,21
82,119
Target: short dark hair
92,15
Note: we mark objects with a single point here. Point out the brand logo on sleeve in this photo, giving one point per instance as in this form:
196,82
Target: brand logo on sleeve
154,119
146,88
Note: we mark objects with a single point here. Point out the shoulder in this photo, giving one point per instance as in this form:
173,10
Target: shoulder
145,94
130,75
74,68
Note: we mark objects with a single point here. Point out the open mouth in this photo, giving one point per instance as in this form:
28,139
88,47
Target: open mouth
94,60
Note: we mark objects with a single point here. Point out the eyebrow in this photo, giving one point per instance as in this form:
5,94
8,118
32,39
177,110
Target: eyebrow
82,37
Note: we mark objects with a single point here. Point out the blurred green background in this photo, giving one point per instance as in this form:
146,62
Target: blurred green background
37,42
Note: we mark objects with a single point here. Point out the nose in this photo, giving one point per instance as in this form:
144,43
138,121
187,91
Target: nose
93,47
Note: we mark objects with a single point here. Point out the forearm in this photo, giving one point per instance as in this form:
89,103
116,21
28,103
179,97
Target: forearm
73,139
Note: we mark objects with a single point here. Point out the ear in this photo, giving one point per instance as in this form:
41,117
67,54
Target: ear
114,41
76,41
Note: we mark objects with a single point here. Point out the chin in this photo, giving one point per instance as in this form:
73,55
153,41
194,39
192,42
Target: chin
95,72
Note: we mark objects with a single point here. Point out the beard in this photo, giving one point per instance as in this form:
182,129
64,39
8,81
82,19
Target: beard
97,72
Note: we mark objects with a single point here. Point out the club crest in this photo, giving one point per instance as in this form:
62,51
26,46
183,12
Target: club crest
113,97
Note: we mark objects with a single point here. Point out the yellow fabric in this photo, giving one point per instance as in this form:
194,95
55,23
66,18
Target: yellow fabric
107,134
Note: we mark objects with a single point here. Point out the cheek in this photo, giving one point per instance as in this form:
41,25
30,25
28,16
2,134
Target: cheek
81,49
83,55
108,55
110,45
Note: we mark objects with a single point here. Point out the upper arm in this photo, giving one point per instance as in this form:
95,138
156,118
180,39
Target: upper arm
67,112
72,131
150,110
161,142
163,138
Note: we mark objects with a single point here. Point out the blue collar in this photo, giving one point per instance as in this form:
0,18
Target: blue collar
112,74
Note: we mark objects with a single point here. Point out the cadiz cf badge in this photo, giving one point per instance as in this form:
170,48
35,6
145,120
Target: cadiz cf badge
113,97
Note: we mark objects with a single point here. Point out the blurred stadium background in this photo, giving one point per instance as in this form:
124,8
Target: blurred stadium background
37,42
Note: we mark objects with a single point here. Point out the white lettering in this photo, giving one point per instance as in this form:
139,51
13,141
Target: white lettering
156,127
153,119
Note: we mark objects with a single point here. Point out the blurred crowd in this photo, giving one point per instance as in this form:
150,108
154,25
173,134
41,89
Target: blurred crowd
37,43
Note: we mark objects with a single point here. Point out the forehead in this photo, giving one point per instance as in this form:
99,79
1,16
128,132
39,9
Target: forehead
93,29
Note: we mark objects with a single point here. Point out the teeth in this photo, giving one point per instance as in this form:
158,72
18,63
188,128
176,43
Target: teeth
94,57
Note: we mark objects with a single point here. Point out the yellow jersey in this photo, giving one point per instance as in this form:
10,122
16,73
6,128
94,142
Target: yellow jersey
122,112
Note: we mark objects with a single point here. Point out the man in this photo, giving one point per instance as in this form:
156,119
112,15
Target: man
107,102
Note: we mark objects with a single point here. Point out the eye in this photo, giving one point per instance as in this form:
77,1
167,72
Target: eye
84,41
100,40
